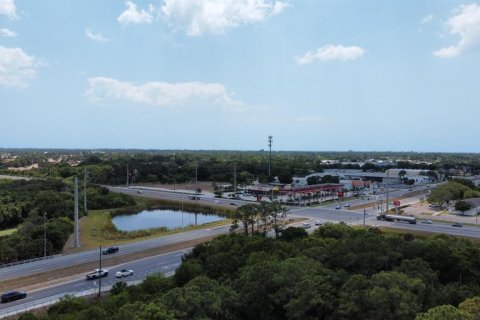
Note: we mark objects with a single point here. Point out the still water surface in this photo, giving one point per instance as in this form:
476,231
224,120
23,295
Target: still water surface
161,218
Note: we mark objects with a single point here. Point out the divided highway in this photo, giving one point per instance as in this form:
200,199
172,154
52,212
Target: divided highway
92,255
165,263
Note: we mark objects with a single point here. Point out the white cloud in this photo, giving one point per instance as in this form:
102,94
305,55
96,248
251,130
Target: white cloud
331,52
427,19
216,16
160,94
95,36
16,67
132,15
466,24
4,32
7,8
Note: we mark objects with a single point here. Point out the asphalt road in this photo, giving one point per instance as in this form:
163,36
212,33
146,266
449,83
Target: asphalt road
177,196
356,218
165,263
92,255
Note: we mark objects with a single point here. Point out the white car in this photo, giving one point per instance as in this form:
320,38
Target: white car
97,273
123,273
318,222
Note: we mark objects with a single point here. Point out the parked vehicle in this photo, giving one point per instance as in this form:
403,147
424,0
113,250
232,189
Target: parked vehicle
123,273
110,250
338,207
96,273
13,295
306,226
458,225
347,205
318,222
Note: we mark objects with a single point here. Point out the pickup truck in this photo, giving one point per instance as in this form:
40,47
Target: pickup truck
96,273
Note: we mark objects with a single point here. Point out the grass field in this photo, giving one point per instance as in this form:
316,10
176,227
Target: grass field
97,228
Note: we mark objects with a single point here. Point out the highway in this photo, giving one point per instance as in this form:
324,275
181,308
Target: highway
177,196
165,263
356,218
92,255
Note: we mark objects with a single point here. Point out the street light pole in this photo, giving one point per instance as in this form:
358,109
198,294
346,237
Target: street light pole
196,178
45,236
100,273
388,186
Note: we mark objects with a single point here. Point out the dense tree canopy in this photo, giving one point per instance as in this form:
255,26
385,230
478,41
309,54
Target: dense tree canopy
335,273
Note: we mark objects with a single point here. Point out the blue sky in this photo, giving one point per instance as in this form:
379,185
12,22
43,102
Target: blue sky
226,74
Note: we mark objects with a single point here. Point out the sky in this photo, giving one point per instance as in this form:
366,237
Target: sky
316,75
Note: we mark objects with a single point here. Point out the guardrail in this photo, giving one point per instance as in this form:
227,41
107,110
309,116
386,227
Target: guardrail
15,310
16,263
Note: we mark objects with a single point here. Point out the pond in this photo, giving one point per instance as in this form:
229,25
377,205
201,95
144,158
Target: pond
170,219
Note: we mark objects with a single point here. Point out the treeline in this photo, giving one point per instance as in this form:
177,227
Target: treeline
180,167
336,273
454,190
30,206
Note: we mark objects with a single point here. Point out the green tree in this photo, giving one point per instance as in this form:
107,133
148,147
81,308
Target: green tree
445,312
472,306
387,295
462,206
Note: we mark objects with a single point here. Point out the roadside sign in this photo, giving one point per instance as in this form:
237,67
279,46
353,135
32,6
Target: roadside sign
396,203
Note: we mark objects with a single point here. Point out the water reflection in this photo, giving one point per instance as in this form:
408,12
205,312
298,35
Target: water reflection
162,218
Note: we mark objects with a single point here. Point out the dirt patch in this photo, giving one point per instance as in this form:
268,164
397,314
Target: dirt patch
51,278
374,203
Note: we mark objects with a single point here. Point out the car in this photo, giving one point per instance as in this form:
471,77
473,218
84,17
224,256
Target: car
233,204
216,201
427,221
13,295
123,273
194,198
338,207
347,205
410,189
458,225
318,222
306,226
96,273
139,191
110,250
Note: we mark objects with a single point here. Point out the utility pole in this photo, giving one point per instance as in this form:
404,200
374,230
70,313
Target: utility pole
127,174
85,175
196,179
100,273
270,139
45,236
364,214
388,186
76,242
235,180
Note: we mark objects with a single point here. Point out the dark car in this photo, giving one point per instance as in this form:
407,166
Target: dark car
110,250
13,295
459,225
